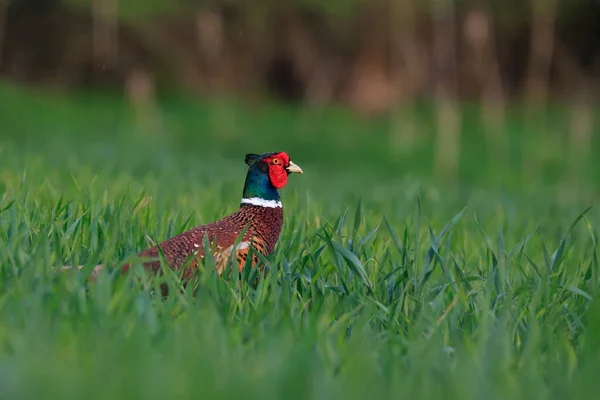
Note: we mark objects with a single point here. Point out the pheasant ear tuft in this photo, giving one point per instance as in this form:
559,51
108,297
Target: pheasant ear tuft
251,158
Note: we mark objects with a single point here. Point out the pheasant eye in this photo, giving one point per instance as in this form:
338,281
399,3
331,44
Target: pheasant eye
276,161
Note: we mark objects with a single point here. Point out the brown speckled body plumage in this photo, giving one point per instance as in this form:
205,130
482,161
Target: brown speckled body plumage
263,228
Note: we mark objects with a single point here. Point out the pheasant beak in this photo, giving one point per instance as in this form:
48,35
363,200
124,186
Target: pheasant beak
294,168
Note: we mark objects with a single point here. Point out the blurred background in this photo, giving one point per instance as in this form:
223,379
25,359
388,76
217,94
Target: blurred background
440,87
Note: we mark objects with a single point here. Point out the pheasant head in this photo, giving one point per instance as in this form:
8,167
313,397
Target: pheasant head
267,173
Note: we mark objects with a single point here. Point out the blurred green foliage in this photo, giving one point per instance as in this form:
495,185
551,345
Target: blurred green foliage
383,283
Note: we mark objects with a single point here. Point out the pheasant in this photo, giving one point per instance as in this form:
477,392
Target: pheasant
260,214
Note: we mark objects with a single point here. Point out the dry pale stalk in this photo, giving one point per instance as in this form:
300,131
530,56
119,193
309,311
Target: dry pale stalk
408,65
478,32
543,21
581,130
448,113
140,89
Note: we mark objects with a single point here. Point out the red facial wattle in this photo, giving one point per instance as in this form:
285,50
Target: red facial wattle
278,175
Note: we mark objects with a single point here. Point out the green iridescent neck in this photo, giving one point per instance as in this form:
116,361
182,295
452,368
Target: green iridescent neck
258,185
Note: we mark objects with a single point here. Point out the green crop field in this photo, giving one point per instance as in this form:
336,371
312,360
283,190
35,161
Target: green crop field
389,279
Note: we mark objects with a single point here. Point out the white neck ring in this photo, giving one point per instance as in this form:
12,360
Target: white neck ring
257,201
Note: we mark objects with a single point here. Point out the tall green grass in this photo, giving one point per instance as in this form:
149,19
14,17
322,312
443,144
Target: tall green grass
385,282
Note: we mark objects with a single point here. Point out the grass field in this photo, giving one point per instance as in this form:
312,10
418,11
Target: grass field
386,282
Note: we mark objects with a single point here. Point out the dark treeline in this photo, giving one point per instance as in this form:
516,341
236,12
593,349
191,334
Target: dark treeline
366,54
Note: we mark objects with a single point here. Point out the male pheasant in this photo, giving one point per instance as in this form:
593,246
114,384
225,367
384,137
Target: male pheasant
260,214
